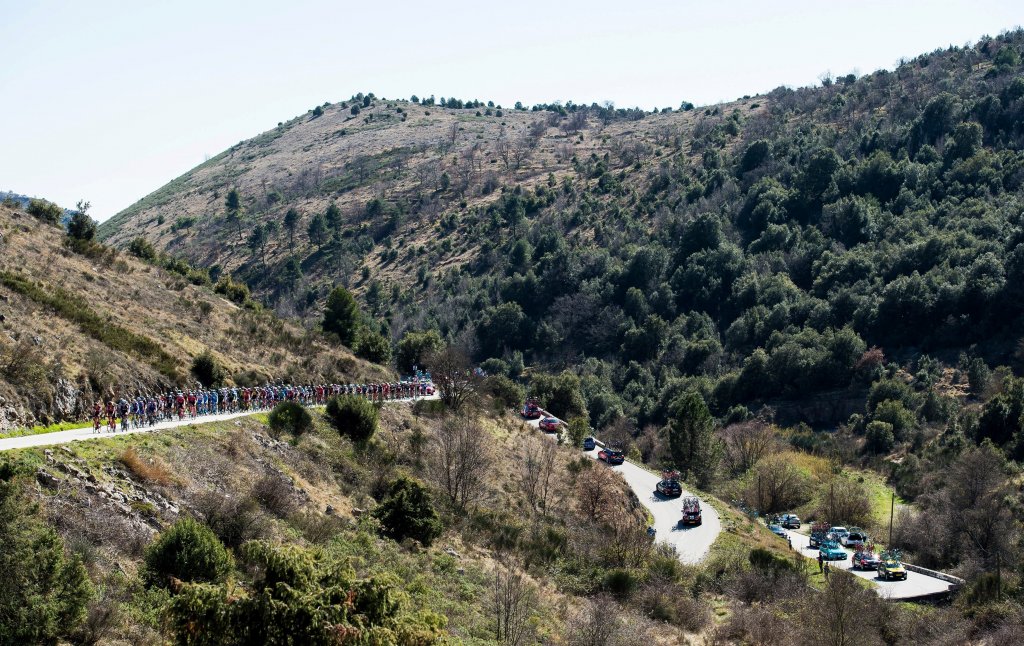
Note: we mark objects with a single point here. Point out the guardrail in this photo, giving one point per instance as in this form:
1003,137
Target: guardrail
955,581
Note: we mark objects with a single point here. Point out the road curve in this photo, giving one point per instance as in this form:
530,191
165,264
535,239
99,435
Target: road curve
81,434
916,585
691,543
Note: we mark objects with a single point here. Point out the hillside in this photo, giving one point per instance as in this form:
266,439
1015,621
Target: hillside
81,326
755,250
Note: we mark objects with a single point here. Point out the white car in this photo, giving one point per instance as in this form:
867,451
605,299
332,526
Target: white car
838,533
856,535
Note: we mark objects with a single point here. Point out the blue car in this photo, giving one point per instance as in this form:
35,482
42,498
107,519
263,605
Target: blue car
589,444
778,531
830,551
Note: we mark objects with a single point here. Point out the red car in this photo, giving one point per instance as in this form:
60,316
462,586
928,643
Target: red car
531,410
611,456
691,511
549,424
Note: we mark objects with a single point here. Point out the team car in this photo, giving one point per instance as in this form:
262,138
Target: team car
691,511
830,551
866,561
790,521
531,409
778,531
549,424
611,456
669,487
891,568
589,443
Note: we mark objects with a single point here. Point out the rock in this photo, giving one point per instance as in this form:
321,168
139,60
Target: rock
357,512
451,552
47,479
66,399
2,318
67,450
329,511
91,488
37,340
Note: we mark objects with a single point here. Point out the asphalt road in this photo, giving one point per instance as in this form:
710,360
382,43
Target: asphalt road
916,585
691,543
82,434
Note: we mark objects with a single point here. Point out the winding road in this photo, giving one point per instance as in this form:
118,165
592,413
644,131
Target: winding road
691,543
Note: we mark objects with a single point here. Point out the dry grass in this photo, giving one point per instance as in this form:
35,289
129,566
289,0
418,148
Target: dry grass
151,471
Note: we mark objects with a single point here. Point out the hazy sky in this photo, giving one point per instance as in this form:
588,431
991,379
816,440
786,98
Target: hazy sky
108,101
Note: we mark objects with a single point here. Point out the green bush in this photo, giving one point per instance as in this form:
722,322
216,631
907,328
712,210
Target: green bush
408,512
620,582
46,211
353,417
234,291
373,347
189,551
290,417
45,591
142,248
207,370
506,391
879,437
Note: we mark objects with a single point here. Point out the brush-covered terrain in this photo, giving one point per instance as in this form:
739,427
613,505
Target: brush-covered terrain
80,321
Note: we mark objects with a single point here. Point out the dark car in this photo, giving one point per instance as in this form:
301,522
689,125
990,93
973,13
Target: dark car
866,561
589,443
669,488
549,424
778,531
891,570
531,410
790,521
611,456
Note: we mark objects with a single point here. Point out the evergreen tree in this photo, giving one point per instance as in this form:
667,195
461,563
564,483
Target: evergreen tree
316,230
694,449
341,316
291,220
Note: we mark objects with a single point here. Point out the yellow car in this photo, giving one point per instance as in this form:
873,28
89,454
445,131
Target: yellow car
890,570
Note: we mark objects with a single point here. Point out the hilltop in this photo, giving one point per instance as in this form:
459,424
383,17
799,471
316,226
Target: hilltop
79,326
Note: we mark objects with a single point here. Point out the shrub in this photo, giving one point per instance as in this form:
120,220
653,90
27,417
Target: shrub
290,417
152,471
188,551
207,370
234,291
506,391
234,519
373,347
46,211
353,417
620,582
408,512
879,437
274,494
142,248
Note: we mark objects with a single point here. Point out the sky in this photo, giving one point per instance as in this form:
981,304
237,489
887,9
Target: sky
107,101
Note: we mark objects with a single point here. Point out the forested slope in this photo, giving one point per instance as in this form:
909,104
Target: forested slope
759,247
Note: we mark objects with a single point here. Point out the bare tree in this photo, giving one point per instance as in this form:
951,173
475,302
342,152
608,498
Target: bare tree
746,443
595,487
777,485
514,602
451,372
461,459
503,146
577,121
845,501
843,613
